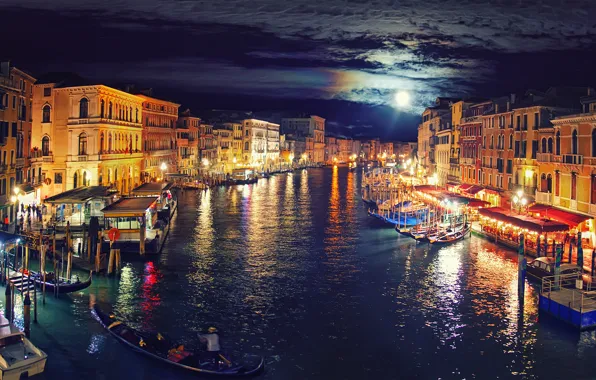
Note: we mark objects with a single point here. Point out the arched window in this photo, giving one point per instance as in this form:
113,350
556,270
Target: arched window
550,145
558,143
511,141
574,142
109,176
136,143
84,108
82,144
102,107
101,142
45,114
594,142
110,111
543,182
75,181
137,116
85,179
543,143
45,146
130,117
116,174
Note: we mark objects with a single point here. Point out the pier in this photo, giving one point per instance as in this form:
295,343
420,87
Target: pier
565,299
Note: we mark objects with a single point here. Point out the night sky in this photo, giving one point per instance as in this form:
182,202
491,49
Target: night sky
343,60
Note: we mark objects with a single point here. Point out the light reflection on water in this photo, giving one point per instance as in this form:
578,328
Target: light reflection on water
291,268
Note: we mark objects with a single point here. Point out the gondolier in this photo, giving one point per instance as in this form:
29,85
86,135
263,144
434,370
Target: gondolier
211,339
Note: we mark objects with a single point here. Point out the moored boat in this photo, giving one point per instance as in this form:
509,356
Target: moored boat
157,347
450,236
61,286
545,266
19,358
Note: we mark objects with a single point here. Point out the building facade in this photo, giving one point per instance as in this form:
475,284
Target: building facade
261,144
312,129
16,97
159,137
188,149
331,150
85,135
470,142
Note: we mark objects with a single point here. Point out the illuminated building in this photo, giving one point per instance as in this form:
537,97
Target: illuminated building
188,149
85,135
470,142
159,136
207,147
224,138
433,118
261,144
331,150
16,89
344,150
312,130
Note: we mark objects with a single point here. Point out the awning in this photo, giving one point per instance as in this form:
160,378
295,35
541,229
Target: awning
465,186
570,218
129,207
81,195
523,221
473,190
151,189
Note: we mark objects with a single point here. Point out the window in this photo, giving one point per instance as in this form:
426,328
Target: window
543,187
516,152
549,183
45,114
557,182
58,178
536,120
574,186
558,143
47,91
84,108
574,142
101,142
14,130
492,142
524,145
593,188
534,149
82,144
594,142
45,146
511,141
109,142
509,166
102,106
14,102
137,116
518,123
75,181
110,110
543,146
525,126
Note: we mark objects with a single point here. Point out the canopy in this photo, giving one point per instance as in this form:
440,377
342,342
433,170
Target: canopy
129,207
523,221
81,195
151,188
570,218
473,190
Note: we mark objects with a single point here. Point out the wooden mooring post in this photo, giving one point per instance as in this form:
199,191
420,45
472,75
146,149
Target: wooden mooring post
521,269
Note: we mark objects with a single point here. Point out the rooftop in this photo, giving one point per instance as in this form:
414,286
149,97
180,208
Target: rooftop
151,188
129,207
81,194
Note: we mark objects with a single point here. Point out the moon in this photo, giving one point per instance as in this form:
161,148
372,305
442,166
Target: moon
402,99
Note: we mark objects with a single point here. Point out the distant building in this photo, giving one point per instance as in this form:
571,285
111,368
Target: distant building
435,118
261,144
188,151
331,150
312,129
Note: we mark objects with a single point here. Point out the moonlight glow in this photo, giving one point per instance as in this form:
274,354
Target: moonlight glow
402,99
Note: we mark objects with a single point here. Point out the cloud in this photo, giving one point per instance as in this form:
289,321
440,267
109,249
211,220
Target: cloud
349,50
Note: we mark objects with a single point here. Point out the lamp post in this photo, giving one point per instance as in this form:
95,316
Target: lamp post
15,200
519,200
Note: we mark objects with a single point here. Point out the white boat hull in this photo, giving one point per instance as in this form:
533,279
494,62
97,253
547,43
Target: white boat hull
32,369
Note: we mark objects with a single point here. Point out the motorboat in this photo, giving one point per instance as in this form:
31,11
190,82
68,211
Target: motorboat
19,358
545,266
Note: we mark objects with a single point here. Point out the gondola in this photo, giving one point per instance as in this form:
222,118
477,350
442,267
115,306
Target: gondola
158,348
450,237
63,286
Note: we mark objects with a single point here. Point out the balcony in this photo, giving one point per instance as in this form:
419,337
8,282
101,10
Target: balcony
20,162
3,169
544,157
99,120
468,161
545,198
454,161
118,155
574,159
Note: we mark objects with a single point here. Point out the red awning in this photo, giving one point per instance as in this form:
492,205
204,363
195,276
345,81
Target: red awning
464,187
523,221
472,202
572,219
474,190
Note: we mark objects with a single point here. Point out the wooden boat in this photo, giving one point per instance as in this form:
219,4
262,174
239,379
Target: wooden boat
62,287
450,237
19,358
545,266
158,348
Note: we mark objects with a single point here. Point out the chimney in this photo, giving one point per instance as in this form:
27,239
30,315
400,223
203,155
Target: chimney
512,98
496,108
508,106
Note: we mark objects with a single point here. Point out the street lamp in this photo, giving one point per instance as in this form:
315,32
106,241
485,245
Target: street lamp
163,168
519,200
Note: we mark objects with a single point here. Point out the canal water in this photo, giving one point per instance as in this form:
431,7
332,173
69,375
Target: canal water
292,269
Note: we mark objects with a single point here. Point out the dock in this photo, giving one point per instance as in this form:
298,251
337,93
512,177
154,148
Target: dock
566,298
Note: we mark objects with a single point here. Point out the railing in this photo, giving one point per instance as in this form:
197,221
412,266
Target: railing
544,157
574,159
82,158
544,197
564,281
468,161
573,285
20,162
3,169
454,160
99,120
